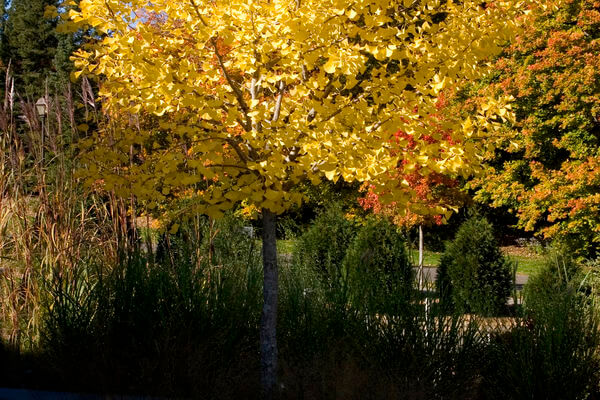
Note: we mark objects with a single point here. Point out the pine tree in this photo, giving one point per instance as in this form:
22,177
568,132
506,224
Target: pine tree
3,17
29,43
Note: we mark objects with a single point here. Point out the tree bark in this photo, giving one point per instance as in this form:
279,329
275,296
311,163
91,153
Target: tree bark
421,246
422,271
268,322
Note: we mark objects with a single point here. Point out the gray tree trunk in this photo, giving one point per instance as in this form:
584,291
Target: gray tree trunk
422,271
421,246
268,322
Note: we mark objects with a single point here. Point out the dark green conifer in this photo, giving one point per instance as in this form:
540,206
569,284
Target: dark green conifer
474,275
37,54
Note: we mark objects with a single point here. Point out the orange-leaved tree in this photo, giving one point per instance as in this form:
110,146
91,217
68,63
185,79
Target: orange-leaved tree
551,179
433,194
237,100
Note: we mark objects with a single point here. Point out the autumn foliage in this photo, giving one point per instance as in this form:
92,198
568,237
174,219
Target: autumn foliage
235,101
223,102
431,195
552,180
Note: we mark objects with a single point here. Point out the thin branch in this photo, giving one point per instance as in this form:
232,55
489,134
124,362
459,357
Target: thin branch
323,46
237,149
328,89
254,88
378,124
242,167
339,110
229,166
278,102
198,13
238,94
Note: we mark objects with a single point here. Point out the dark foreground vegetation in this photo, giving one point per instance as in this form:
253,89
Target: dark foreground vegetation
183,320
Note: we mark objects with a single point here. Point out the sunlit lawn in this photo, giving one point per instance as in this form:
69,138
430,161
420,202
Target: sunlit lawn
285,246
528,263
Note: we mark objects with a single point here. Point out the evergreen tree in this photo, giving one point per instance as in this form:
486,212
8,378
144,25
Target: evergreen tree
30,44
3,17
67,44
474,274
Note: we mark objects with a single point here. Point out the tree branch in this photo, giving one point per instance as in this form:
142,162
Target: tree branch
233,166
278,101
238,93
198,13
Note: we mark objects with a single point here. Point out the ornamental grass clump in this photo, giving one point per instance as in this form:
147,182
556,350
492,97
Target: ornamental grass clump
554,352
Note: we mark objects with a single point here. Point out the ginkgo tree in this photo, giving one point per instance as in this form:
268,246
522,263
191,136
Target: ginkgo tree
241,100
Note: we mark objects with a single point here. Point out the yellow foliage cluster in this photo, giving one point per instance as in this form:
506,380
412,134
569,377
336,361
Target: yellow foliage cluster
240,100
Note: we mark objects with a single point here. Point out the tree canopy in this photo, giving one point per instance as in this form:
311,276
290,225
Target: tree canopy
30,43
552,178
254,97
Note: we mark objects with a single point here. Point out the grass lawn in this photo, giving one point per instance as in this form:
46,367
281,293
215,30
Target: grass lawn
528,266
430,258
285,246
528,263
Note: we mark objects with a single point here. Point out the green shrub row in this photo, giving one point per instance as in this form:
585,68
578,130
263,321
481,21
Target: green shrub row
366,265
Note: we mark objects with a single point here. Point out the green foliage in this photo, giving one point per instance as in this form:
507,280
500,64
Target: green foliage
317,200
216,242
557,275
31,44
377,269
287,227
189,329
183,324
555,352
323,246
473,271
444,283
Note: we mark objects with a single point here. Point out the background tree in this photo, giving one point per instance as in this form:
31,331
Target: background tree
3,16
551,180
323,246
233,100
433,195
29,43
38,50
376,267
